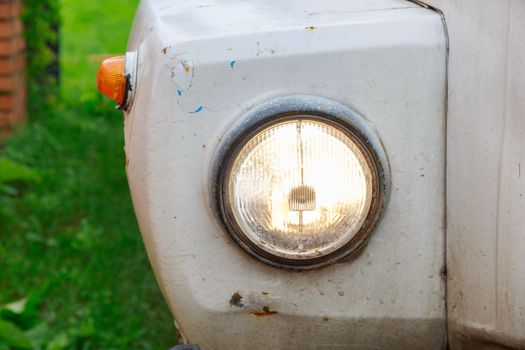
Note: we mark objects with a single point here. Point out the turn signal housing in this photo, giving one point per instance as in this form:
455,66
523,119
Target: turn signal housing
111,79
117,79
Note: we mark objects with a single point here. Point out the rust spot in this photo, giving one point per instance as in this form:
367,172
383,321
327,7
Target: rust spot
310,27
265,312
325,318
236,300
164,50
186,66
265,293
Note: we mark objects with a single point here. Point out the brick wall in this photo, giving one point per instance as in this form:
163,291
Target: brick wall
12,67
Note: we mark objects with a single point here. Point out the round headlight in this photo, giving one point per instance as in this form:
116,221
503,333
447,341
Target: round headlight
300,190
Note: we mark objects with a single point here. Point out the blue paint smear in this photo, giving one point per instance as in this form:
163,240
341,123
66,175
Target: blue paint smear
232,63
179,92
200,108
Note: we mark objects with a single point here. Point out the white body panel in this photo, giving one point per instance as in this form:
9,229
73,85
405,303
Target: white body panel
486,173
202,64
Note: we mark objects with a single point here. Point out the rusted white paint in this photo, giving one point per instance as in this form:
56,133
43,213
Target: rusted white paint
485,173
385,59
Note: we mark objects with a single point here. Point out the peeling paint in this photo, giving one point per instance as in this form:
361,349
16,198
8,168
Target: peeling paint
198,109
182,74
265,312
189,109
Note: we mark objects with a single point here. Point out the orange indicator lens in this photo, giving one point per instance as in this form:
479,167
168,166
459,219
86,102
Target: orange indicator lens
111,80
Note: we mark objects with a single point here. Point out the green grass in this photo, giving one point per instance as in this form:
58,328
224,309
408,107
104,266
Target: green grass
68,236
91,29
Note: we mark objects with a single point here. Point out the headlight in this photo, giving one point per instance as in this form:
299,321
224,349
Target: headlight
300,190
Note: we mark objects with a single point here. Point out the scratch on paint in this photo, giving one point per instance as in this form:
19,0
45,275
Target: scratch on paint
193,111
179,92
232,63
199,109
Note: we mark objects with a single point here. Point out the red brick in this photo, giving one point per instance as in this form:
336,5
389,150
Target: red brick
6,118
13,116
7,83
11,82
12,64
17,116
7,101
10,9
9,46
10,28
13,100
20,114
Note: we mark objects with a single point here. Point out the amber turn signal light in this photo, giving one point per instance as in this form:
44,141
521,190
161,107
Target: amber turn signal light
111,78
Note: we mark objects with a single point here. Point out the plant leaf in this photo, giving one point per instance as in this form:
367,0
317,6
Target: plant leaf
59,342
39,335
11,335
13,171
17,307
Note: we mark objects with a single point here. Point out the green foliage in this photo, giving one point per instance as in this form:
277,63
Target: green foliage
73,238
91,30
17,323
13,171
22,313
71,255
12,336
41,22
21,328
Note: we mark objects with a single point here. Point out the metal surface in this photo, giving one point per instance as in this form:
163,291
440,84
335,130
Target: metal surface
202,65
131,79
485,173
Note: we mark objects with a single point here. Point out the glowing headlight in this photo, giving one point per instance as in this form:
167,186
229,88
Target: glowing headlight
301,191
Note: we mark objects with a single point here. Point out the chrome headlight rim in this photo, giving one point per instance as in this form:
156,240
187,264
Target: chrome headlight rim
292,108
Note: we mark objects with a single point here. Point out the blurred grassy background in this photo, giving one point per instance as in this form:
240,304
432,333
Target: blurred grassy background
91,30
71,256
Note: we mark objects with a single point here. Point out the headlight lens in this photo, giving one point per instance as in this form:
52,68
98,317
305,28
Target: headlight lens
299,189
